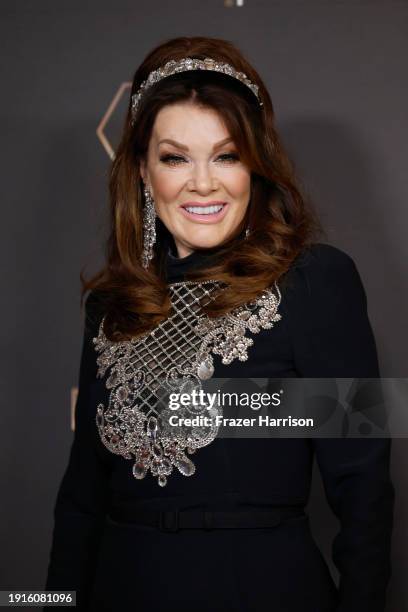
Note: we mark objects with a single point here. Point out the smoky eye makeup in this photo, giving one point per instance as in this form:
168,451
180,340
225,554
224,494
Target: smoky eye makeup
174,158
170,157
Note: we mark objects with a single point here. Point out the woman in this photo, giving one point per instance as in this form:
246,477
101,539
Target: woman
214,270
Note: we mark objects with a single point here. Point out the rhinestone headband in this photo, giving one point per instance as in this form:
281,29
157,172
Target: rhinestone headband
183,65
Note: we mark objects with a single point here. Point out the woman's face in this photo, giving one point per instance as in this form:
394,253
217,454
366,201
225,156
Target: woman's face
200,166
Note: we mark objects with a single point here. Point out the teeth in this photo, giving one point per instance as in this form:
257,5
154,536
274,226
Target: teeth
204,210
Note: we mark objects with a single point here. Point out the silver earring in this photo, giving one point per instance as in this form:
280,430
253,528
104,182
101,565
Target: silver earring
247,232
149,228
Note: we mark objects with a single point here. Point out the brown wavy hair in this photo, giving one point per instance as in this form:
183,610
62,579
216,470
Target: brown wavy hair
282,220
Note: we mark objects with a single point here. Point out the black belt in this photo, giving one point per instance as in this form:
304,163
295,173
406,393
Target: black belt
173,520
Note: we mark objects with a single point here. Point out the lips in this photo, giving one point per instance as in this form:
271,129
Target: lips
203,204
207,217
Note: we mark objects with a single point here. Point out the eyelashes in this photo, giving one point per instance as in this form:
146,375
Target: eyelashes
176,160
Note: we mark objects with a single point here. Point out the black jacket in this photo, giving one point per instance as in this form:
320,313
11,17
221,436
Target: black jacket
324,332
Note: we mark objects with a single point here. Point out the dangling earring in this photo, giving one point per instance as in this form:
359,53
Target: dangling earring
247,232
149,228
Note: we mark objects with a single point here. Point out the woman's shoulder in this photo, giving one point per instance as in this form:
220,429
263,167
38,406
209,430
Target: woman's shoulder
323,278
321,256
321,267
324,304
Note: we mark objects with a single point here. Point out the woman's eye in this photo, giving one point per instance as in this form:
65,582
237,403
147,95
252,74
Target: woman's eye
174,160
229,157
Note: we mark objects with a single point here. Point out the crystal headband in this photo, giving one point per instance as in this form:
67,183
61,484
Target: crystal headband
185,64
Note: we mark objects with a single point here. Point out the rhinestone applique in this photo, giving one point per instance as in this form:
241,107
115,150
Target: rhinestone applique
183,65
174,357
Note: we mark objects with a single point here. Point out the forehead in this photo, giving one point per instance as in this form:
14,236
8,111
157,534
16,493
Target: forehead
189,122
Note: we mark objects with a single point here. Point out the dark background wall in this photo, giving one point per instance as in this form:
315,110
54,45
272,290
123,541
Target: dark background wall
336,72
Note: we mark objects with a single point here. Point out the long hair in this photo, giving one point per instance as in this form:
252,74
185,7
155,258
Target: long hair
282,220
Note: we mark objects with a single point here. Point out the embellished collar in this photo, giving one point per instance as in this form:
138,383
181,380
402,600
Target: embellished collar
176,355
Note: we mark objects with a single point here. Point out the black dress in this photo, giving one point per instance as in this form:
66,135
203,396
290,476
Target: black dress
324,331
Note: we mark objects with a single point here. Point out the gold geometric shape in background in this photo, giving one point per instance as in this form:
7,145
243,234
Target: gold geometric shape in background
100,130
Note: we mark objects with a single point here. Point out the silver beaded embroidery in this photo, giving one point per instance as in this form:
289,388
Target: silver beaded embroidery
175,356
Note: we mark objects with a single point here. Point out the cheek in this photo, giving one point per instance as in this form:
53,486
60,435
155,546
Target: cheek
239,184
166,186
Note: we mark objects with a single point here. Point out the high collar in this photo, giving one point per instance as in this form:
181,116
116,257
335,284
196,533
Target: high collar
176,267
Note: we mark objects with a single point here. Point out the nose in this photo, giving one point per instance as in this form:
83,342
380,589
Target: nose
202,180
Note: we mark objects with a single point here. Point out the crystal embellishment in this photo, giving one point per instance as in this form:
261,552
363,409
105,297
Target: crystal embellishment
183,65
177,355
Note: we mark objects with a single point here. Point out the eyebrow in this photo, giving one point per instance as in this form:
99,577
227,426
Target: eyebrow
179,145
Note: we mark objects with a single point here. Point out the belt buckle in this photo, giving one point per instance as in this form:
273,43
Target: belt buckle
173,525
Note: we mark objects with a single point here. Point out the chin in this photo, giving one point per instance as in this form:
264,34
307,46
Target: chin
205,244
197,238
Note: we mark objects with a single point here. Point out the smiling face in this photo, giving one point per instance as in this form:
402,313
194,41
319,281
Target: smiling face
201,166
